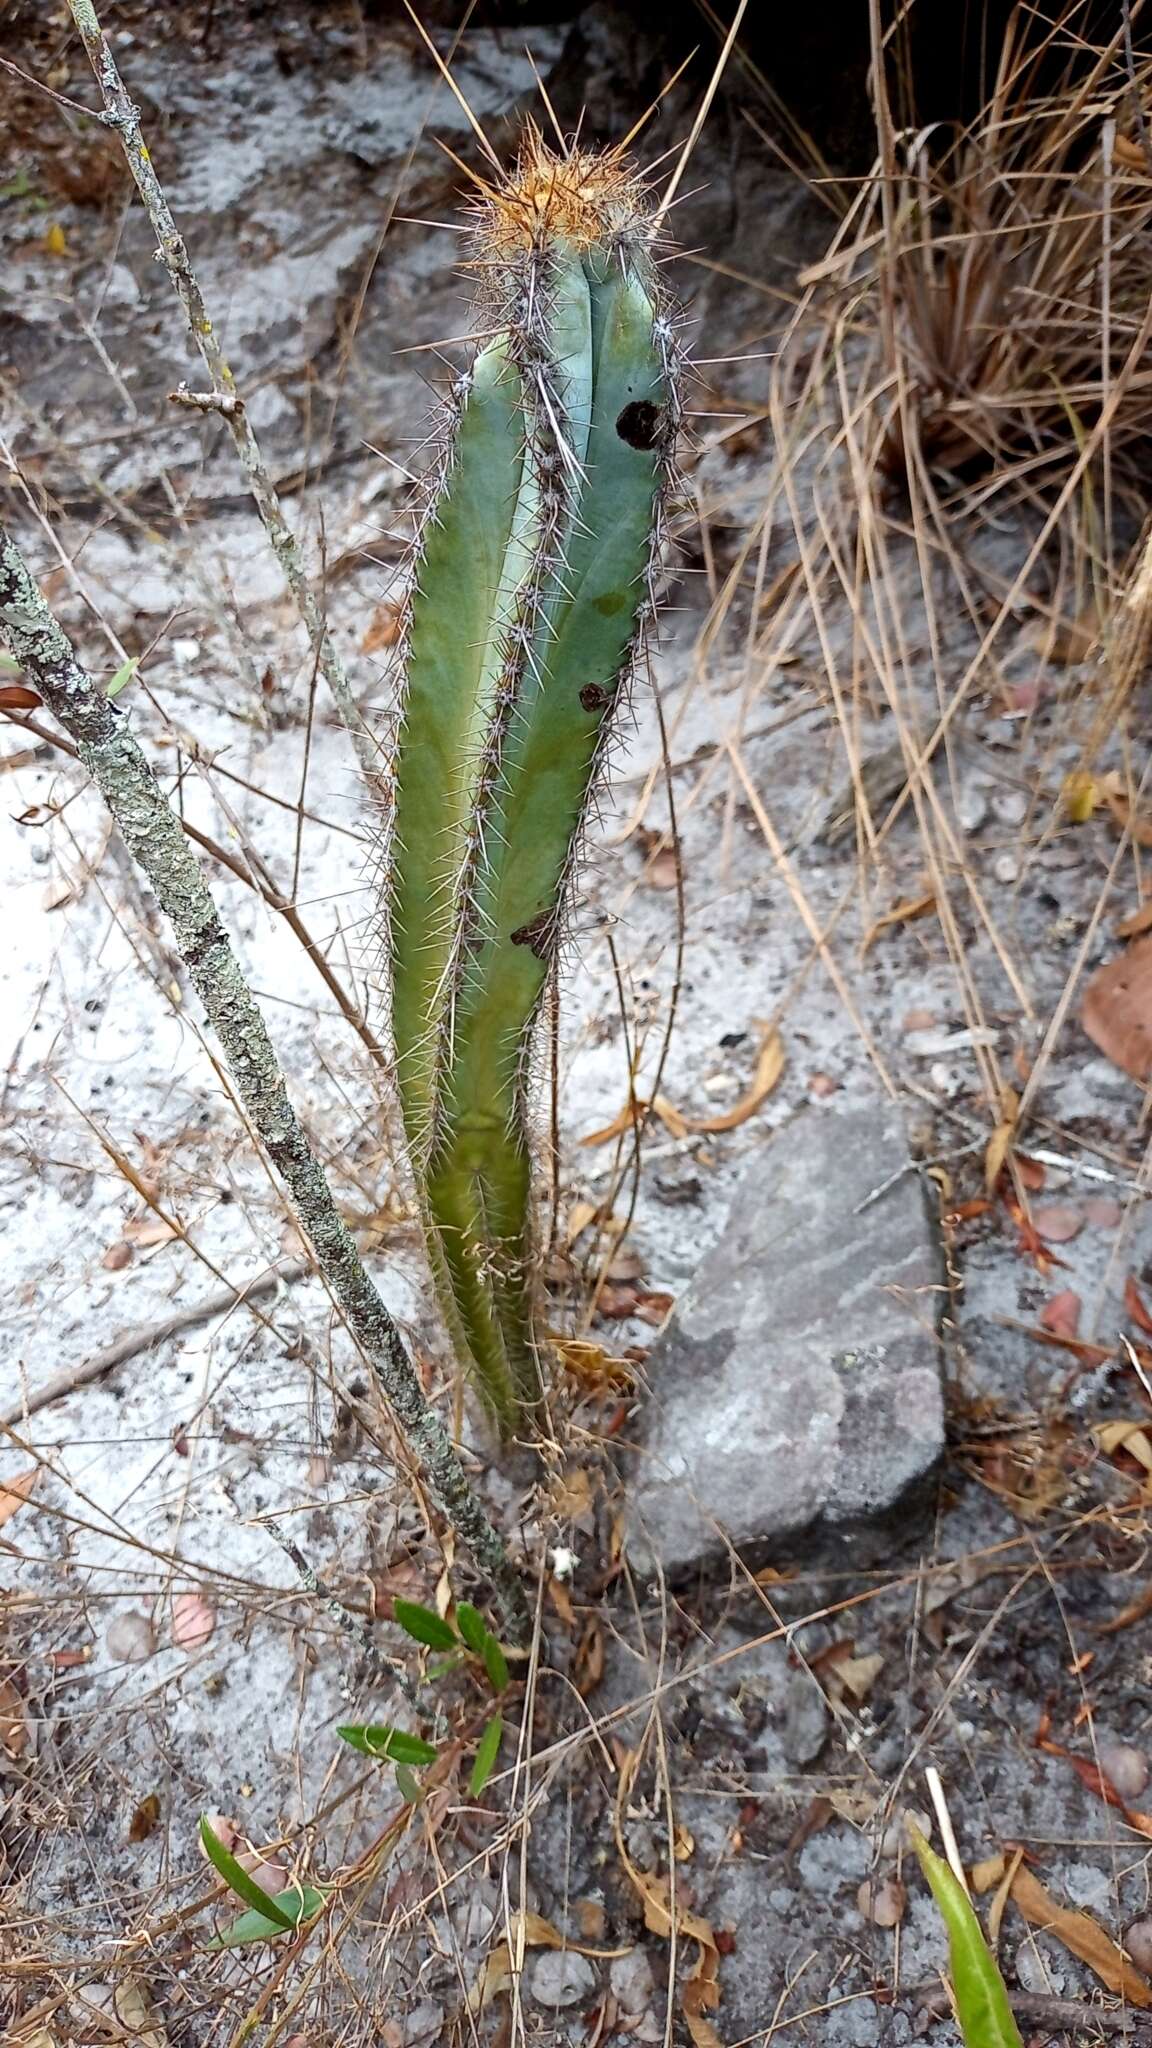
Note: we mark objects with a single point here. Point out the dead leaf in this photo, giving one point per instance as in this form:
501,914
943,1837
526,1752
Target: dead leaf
57,894
1081,794
1137,824
1116,1012
1058,1222
580,1215
384,628
17,697
14,1729
664,1910
1000,1143
55,240
495,1976
1082,1937
588,1663
626,1120
769,1067
882,1903
146,1231
855,1676
985,1876
1127,1436
1133,1302
904,912
532,1930
143,1821
662,870
1097,1782
623,1298
1060,1315
117,1256
1066,641
14,1492
193,1621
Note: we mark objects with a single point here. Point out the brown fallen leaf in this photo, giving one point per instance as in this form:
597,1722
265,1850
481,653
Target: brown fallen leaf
1134,1303
14,1492
1082,1937
1098,1782
1138,824
1060,1315
18,697
769,1067
665,1910
588,1663
146,1231
145,1818
1058,1222
1116,1012
14,1731
1000,1143
1130,1436
193,1621
537,1932
117,1256
901,913
383,629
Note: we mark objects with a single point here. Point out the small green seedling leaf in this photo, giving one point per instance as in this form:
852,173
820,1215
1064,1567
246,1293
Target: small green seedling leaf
394,1745
495,1664
471,1626
486,1755
409,1786
982,2006
302,1903
122,677
238,1880
423,1625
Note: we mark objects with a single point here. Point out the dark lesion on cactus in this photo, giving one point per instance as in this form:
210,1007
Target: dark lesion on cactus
639,423
537,933
594,697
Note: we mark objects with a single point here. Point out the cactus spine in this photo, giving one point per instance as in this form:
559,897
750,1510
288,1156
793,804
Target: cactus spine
527,610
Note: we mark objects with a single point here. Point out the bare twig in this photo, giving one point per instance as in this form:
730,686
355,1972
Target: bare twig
123,115
146,1335
153,833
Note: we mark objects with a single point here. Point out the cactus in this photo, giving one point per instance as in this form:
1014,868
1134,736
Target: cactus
527,610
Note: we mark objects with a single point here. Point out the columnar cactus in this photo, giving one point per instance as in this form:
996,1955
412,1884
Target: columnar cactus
529,601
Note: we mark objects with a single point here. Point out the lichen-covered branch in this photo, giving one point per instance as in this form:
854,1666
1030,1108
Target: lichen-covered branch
108,749
121,114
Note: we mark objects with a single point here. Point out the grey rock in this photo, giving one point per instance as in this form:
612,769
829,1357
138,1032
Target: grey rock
797,1391
630,1977
560,1978
806,1718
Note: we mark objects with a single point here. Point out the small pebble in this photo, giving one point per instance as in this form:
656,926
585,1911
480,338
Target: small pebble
1124,1767
1010,806
1102,1212
883,1904
630,1977
130,1638
1006,868
561,1978
897,1835
1138,1942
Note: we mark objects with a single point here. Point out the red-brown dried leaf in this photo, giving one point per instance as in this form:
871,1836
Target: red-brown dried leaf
1060,1316
18,697
1135,1306
1117,1009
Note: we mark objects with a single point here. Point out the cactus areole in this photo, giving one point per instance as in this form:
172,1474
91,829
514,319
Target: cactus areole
529,601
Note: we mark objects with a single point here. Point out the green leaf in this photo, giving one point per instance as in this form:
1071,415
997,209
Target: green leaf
986,2019
471,1626
422,1625
302,1903
239,1881
8,666
486,1755
409,1787
395,1745
123,677
495,1664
